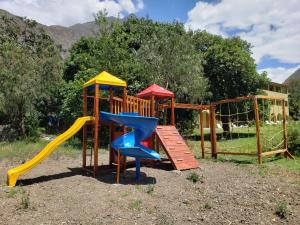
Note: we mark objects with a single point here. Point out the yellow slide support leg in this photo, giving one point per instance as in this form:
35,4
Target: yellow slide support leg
13,174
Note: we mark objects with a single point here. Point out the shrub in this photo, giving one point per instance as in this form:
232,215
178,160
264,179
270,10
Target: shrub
207,206
136,204
294,141
194,177
24,200
282,209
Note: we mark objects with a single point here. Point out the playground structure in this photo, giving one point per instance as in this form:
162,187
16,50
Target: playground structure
249,115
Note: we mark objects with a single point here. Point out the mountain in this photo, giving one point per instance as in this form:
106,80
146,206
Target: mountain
64,37
294,76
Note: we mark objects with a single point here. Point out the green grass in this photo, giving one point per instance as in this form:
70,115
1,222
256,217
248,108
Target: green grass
282,209
245,142
194,177
136,204
206,206
23,150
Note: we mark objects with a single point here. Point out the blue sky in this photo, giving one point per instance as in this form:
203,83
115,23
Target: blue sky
167,10
271,26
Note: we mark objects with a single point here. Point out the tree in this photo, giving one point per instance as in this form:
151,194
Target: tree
170,59
294,99
230,69
30,68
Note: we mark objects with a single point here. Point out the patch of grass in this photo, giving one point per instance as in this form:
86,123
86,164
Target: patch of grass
25,202
24,150
13,192
282,209
263,170
150,189
125,194
206,206
136,204
138,187
194,177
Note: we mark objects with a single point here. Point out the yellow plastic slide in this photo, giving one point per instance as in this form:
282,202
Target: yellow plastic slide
13,174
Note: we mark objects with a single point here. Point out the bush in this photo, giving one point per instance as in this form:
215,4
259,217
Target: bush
194,177
294,141
282,209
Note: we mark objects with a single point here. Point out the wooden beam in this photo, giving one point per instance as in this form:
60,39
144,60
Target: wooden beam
110,126
237,153
152,106
124,99
238,99
172,112
201,133
284,125
84,130
185,106
118,99
257,124
268,97
214,152
274,152
96,128
118,166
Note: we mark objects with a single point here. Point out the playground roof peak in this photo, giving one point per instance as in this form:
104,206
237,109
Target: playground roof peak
155,90
105,80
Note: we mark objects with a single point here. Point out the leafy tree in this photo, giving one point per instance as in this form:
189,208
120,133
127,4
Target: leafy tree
294,98
229,66
171,60
30,68
230,69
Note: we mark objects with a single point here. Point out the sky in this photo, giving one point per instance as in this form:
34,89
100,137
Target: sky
271,26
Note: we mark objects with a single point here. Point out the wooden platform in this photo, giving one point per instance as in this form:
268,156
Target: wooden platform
177,150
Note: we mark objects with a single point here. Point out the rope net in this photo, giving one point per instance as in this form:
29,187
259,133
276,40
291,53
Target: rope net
236,126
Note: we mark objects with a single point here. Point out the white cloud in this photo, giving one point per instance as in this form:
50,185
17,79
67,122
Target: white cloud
279,74
69,12
271,26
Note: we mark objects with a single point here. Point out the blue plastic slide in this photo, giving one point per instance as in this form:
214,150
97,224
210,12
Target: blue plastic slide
129,143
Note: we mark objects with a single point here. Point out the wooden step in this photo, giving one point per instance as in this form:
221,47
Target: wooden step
181,157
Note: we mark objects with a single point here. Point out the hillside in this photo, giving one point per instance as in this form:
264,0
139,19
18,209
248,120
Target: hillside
63,36
294,76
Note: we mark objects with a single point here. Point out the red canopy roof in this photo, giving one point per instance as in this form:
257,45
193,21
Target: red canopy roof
155,90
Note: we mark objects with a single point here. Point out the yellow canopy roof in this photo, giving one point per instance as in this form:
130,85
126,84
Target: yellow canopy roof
105,78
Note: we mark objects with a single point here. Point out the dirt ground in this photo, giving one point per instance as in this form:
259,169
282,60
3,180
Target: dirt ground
56,192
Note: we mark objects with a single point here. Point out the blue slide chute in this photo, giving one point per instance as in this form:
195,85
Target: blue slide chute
129,144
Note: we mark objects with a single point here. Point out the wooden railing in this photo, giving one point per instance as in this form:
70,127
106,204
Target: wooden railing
133,104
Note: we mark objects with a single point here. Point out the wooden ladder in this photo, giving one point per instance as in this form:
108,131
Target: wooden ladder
181,157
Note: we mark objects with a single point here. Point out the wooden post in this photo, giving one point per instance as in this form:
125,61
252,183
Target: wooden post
284,125
214,152
153,136
152,106
172,112
157,144
124,128
118,167
84,130
96,127
110,126
124,99
255,105
201,133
